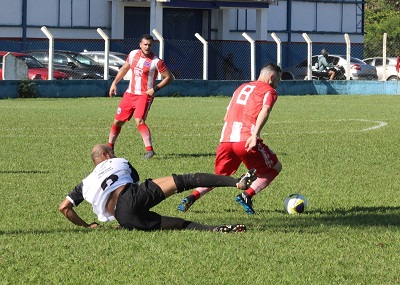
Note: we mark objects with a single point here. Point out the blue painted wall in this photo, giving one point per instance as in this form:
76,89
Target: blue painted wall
99,88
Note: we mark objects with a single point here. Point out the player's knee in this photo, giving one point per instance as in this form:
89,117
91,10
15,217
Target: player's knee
183,182
178,182
139,121
119,123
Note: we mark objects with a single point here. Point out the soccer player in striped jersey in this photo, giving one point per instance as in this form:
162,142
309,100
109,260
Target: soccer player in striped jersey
247,113
139,96
114,191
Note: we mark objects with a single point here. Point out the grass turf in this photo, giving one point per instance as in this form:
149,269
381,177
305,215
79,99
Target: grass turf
340,152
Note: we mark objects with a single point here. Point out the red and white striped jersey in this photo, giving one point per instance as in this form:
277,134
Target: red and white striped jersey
243,109
144,71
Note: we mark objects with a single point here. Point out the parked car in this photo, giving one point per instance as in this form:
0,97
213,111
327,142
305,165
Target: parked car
391,74
115,60
359,70
36,70
74,63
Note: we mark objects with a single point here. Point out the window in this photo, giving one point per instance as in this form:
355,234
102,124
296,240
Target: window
243,20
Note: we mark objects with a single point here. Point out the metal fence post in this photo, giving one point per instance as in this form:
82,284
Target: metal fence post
205,55
161,52
253,55
51,51
278,49
348,54
106,51
384,56
309,56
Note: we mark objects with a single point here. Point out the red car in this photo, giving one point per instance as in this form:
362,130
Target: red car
36,70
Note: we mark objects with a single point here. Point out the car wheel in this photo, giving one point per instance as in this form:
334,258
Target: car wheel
393,78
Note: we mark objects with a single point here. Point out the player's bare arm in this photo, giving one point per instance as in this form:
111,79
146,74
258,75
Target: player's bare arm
120,75
168,78
262,119
66,208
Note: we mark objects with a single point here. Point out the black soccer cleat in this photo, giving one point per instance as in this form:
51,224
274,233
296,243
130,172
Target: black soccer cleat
238,228
246,179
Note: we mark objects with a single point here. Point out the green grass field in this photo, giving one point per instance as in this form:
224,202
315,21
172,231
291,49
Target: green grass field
340,152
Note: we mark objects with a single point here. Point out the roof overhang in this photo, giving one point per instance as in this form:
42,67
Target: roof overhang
212,4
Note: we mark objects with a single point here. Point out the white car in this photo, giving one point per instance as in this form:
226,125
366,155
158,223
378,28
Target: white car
391,73
359,70
115,60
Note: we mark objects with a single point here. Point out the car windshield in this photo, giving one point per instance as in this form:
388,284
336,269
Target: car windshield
353,59
83,59
30,61
121,56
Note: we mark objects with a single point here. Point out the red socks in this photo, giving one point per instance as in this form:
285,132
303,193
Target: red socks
114,133
146,136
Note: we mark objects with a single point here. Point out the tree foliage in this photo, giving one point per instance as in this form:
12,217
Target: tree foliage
382,16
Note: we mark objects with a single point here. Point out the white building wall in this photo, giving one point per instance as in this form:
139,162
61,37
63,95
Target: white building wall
349,21
315,18
10,12
42,12
85,16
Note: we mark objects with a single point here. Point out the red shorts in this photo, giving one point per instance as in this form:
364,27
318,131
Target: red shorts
231,155
133,104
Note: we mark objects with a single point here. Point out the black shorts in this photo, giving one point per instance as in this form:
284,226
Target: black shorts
133,206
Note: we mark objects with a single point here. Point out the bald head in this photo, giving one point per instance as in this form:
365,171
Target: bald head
101,152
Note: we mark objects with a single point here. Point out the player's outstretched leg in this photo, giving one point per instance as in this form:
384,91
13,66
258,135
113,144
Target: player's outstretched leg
189,181
242,183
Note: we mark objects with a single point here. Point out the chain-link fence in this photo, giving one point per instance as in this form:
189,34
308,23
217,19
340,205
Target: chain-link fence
227,60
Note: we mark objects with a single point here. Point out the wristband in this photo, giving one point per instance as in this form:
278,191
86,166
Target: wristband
156,88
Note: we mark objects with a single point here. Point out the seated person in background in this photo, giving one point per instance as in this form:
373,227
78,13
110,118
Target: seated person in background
325,69
229,68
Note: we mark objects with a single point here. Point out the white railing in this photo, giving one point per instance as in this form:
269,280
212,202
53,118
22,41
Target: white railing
205,64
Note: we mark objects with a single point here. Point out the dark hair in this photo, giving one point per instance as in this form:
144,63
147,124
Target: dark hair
272,67
147,37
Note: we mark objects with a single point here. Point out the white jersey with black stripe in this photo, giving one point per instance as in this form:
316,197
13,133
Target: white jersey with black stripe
97,186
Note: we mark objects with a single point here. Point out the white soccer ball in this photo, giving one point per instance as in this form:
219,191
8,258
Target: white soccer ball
295,204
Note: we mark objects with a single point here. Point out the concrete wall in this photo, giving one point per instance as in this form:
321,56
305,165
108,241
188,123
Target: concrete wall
99,88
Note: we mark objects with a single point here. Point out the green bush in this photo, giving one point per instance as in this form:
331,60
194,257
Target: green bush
27,89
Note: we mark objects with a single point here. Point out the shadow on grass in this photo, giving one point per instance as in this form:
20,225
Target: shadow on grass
59,231
317,219
314,221
40,232
185,155
24,171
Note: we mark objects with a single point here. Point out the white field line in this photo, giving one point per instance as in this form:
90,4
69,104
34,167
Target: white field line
374,125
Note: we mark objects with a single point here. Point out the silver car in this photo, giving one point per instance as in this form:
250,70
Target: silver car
391,73
115,60
359,70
